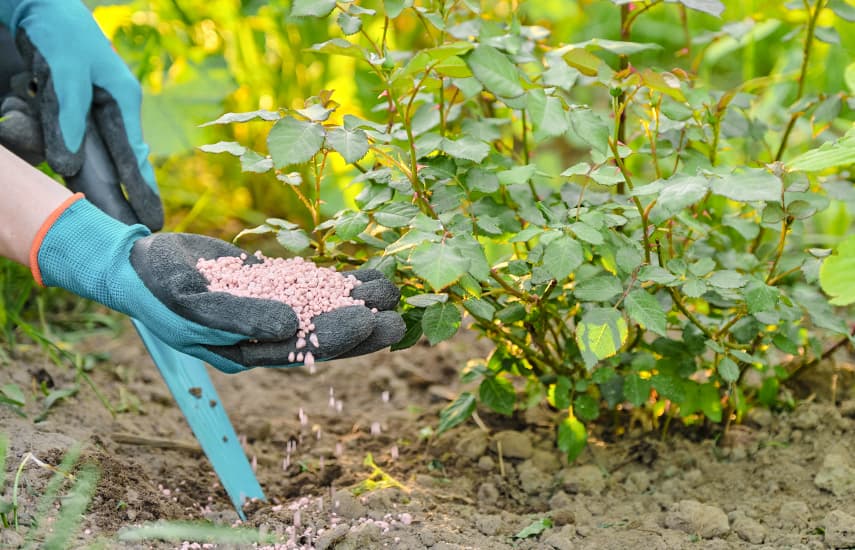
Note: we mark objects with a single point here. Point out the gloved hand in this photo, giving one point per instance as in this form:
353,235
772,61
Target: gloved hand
76,73
153,278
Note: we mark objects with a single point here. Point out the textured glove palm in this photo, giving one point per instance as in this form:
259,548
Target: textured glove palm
76,72
153,279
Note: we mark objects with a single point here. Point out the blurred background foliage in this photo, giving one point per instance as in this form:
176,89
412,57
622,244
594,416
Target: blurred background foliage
198,59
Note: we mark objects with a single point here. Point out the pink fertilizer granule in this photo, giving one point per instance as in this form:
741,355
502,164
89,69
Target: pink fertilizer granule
309,290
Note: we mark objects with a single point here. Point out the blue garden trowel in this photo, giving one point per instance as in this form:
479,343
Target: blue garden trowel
185,375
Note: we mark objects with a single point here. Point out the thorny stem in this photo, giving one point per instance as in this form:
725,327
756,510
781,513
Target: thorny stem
811,31
511,290
628,18
628,178
785,227
684,21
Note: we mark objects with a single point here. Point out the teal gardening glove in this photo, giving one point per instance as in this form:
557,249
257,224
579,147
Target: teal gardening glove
153,278
76,74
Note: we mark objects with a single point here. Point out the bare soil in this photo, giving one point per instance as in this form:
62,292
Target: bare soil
779,480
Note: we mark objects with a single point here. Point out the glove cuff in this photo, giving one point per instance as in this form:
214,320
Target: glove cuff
42,233
82,249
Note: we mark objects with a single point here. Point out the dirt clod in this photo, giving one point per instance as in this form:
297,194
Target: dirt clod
694,518
749,529
513,444
836,475
839,529
587,480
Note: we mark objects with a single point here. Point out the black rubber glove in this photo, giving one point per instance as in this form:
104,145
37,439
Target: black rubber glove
166,264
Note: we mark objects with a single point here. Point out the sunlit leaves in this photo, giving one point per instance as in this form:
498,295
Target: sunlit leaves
460,410
231,147
572,437
230,118
829,155
837,272
293,141
600,334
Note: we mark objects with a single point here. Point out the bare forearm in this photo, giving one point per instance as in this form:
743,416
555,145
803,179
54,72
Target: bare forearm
29,197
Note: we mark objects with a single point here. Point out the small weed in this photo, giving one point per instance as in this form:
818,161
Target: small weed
377,479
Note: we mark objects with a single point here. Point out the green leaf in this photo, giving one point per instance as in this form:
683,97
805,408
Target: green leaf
572,437
440,264
517,174
562,256
601,288
413,320
643,308
350,225
710,401
727,278
760,297
535,528
636,389
498,393
350,144
293,141
395,7
495,71
616,47
440,322
751,185
460,410
480,309
339,46
558,393
312,8
294,240
836,274
587,233
253,162
467,148
482,180
656,274
842,10
712,7
694,287
13,393
849,77
349,24
678,193
600,334
231,147
396,214
829,155
425,300
548,116
586,407
230,118
728,370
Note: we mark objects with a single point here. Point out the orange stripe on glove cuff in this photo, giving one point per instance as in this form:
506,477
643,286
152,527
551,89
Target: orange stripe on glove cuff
43,230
